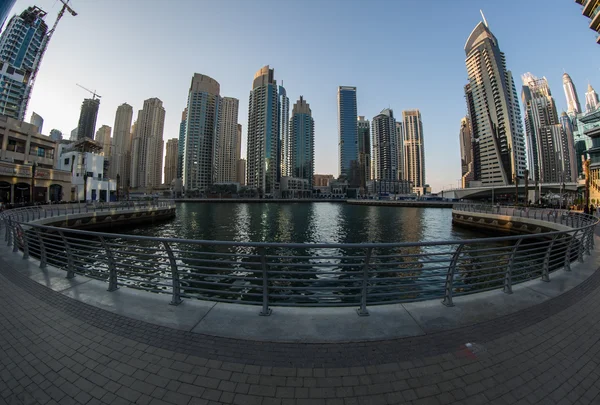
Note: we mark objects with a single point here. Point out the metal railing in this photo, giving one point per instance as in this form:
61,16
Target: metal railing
290,274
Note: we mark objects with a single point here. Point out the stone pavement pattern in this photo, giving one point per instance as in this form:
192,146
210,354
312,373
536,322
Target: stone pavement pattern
57,350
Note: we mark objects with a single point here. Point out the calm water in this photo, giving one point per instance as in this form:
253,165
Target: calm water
307,223
309,275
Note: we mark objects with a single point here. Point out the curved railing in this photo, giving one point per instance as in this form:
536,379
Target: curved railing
288,274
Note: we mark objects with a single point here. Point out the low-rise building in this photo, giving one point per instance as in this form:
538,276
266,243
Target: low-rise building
27,160
86,166
295,187
384,187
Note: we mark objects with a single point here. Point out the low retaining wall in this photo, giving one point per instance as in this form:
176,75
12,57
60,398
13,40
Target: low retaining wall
505,223
404,203
110,219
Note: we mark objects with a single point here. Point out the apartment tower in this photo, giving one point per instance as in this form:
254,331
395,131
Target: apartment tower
226,160
120,157
262,168
147,147
302,139
385,149
171,160
348,133
493,110
414,152
201,133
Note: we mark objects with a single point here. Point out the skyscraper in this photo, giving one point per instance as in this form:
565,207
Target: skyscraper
56,135
241,172
103,138
74,133
302,139
37,120
226,160
171,160
120,155
87,118
494,110
575,151
201,133
414,152
547,143
21,44
181,144
263,136
573,106
147,147
348,132
285,143
591,100
591,9
466,152
364,150
385,149
400,149
5,8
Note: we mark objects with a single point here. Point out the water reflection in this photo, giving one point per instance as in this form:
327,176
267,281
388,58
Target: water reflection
307,223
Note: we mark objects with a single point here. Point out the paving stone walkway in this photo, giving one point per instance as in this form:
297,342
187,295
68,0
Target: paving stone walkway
57,350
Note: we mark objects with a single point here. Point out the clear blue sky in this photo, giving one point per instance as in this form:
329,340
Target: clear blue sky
401,54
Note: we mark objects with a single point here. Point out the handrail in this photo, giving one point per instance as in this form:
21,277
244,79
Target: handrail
313,274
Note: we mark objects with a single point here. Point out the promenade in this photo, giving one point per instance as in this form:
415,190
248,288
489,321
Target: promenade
58,349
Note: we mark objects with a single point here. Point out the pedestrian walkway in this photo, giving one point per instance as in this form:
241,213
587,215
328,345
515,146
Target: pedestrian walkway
55,349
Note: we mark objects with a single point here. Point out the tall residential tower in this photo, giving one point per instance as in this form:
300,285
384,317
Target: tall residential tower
385,149
494,110
201,133
302,140
348,134
573,106
263,137
171,160
147,148
591,99
414,149
21,45
364,151
120,159
226,161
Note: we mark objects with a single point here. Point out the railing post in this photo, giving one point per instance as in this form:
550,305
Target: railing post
362,311
546,265
70,257
176,300
581,248
25,242
588,244
112,266
43,256
7,232
266,311
569,250
450,277
509,269
15,236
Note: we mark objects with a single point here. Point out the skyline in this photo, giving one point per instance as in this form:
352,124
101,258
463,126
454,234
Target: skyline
125,70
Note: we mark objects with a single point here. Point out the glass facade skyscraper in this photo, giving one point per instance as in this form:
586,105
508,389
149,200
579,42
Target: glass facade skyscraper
348,134
302,137
21,44
385,148
5,7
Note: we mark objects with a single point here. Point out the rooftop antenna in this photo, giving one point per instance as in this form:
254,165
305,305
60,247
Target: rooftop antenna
484,20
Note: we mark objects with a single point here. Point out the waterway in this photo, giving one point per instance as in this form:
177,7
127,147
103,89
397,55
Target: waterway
305,274
321,222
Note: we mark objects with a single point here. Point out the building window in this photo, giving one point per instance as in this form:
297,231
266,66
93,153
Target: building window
66,161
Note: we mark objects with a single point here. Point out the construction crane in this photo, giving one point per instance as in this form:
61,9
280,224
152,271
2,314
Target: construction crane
46,40
94,94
